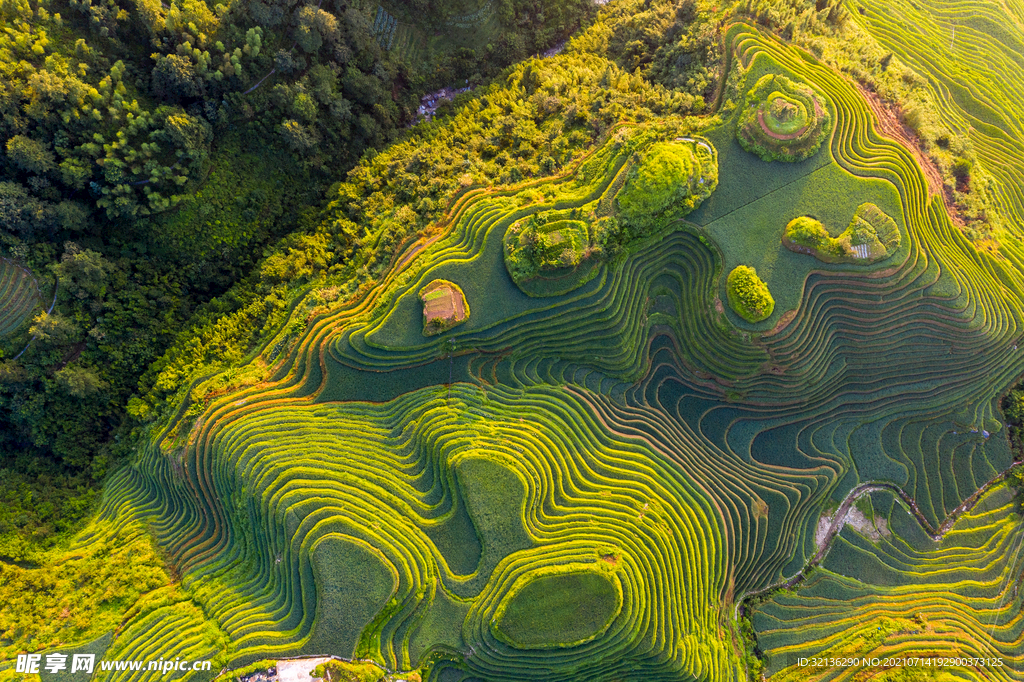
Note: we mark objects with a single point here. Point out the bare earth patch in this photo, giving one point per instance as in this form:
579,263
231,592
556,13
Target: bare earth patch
873,531
888,117
783,322
298,670
444,306
821,532
857,520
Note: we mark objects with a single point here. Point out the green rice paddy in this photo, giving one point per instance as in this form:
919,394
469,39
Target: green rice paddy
970,55
620,451
562,609
906,595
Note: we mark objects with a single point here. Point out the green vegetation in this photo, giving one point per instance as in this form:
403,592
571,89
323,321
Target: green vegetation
672,178
556,250
754,199
444,306
872,227
602,463
258,666
913,79
548,246
538,122
558,610
344,671
354,583
748,295
150,156
659,183
958,109
785,115
19,295
810,234
871,235
888,599
783,120
1012,406
82,592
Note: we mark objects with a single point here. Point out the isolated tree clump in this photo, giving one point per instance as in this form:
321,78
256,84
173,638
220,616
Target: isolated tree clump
670,178
30,155
748,294
175,79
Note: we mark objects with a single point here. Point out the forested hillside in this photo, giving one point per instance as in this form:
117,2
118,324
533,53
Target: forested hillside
151,152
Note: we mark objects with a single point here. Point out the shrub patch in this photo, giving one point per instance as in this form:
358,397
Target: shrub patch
748,295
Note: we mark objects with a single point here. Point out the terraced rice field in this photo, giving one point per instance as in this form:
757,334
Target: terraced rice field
392,496
19,295
915,597
971,55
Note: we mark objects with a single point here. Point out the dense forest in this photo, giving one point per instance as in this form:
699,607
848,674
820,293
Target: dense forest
174,173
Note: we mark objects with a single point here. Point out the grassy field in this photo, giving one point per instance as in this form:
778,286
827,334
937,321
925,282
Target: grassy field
404,497
345,568
755,199
558,610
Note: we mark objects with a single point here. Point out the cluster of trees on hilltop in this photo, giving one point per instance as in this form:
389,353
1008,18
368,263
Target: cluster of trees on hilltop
135,143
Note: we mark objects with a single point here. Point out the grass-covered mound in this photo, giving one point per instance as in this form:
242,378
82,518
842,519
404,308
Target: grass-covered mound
444,306
558,610
672,179
538,248
874,227
783,120
561,244
805,234
871,236
748,295
638,193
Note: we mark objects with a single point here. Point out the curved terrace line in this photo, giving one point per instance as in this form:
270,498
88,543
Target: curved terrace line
839,522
